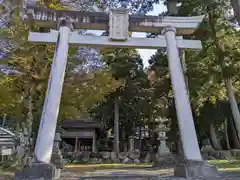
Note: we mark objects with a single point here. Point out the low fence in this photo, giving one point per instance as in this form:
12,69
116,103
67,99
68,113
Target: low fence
7,144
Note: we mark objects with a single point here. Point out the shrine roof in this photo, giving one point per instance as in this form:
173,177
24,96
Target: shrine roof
82,123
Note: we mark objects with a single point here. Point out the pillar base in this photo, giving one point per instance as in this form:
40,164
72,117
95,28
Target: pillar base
38,171
195,169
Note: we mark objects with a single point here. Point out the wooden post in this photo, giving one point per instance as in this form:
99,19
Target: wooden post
76,145
94,149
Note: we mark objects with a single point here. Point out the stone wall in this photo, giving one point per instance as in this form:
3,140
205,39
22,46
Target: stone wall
209,153
136,157
111,157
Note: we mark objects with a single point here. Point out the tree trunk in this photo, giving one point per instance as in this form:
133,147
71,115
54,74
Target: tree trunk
172,7
236,8
116,125
28,126
30,114
233,105
232,134
226,135
220,59
213,137
18,127
4,120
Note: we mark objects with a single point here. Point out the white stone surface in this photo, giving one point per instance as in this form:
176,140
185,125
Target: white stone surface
103,41
118,24
183,108
46,134
163,150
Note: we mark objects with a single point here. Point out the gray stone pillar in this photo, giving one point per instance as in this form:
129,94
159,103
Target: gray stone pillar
192,165
46,133
184,112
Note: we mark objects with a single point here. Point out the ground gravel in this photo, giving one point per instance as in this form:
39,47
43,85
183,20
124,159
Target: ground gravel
135,174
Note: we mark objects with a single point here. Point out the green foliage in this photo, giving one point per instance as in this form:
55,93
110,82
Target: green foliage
83,92
133,5
8,98
31,64
126,65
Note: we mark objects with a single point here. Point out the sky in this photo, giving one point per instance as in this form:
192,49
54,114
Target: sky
145,53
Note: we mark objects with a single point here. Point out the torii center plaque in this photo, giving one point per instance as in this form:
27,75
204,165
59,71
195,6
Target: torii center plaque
118,22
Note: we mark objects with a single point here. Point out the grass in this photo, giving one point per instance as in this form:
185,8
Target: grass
223,165
226,165
107,165
7,173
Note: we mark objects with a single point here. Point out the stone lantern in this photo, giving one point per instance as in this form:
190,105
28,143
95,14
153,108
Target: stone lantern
161,130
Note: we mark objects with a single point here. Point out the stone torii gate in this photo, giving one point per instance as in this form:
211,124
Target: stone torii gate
119,23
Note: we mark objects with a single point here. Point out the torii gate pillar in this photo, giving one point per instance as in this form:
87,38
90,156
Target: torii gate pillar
41,167
193,165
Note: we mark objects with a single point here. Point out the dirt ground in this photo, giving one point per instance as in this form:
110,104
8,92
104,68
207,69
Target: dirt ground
140,173
132,174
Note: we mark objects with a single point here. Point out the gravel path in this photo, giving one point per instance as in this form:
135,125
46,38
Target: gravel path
134,174
130,174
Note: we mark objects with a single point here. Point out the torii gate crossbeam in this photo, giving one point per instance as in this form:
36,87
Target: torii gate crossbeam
103,41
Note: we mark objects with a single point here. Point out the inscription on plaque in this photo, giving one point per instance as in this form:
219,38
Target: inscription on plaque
118,24
53,16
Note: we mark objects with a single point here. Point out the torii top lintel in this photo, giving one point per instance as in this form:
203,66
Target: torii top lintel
100,20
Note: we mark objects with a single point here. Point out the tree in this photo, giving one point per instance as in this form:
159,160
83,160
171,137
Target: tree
8,98
205,75
83,92
219,39
133,5
30,65
129,100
